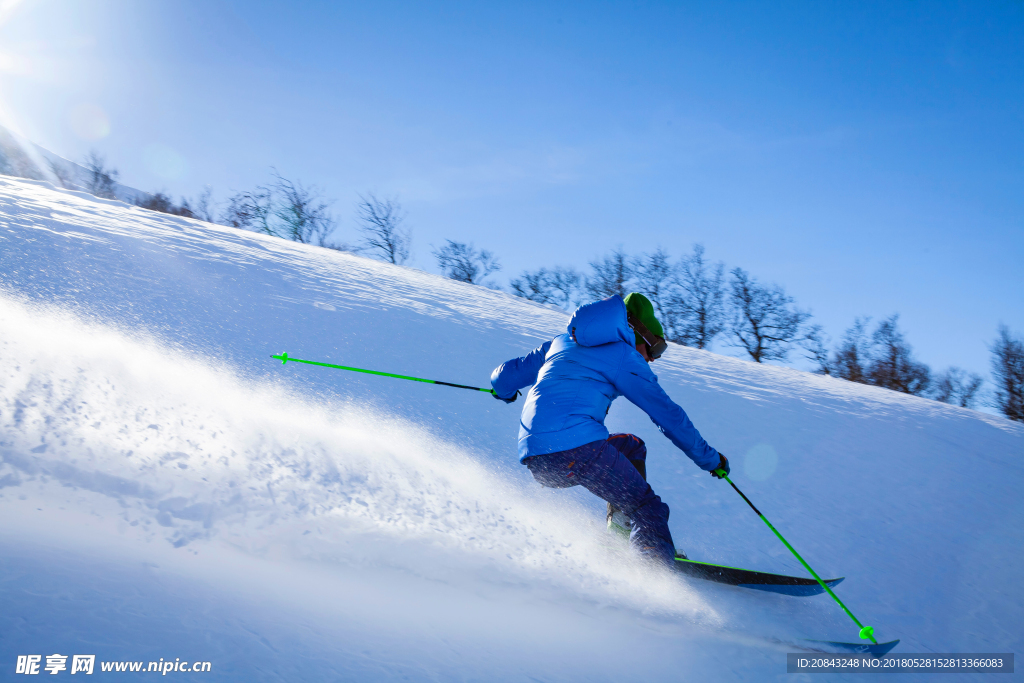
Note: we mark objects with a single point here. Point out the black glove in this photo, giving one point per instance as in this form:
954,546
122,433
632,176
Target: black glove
723,465
506,400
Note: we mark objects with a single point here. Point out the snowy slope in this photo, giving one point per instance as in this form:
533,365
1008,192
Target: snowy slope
23,158
167,490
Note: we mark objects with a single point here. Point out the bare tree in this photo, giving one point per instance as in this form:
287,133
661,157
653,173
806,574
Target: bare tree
164,204
559,286
654,277
100,180
815,343
533,286
1008,374
206,208
764,322
892,363
700,307
302,212
250,210
283,209
958,387
184,209
850,360
380,222
610,275
156,202
462,262
567,285
62,173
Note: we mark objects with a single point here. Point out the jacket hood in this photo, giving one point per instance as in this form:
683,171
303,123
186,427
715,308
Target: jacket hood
601,322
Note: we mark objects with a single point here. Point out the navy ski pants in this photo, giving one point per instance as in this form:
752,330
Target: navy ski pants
605,469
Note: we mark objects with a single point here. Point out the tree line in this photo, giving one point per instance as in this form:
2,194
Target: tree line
280,207
697,301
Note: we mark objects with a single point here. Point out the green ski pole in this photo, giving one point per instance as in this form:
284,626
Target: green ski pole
284,359
866,632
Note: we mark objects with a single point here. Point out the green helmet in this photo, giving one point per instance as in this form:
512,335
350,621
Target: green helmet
641,309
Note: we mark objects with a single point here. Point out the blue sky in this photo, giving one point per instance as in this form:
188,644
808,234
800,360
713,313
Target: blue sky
869,157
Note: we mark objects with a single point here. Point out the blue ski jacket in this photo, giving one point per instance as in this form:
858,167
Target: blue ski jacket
575,378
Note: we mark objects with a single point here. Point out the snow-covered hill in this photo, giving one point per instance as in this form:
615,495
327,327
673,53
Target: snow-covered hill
168,490
23,158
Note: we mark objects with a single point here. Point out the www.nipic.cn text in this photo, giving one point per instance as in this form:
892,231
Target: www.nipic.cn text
86,664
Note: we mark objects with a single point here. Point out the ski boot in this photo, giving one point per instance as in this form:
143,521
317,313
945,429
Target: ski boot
618,522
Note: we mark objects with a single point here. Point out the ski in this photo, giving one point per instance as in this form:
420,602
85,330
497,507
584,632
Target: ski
859,648
831,646
747,578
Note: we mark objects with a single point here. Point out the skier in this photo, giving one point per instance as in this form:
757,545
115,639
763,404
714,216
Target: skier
604,354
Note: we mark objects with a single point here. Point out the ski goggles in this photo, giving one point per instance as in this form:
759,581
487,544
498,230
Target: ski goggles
655,344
